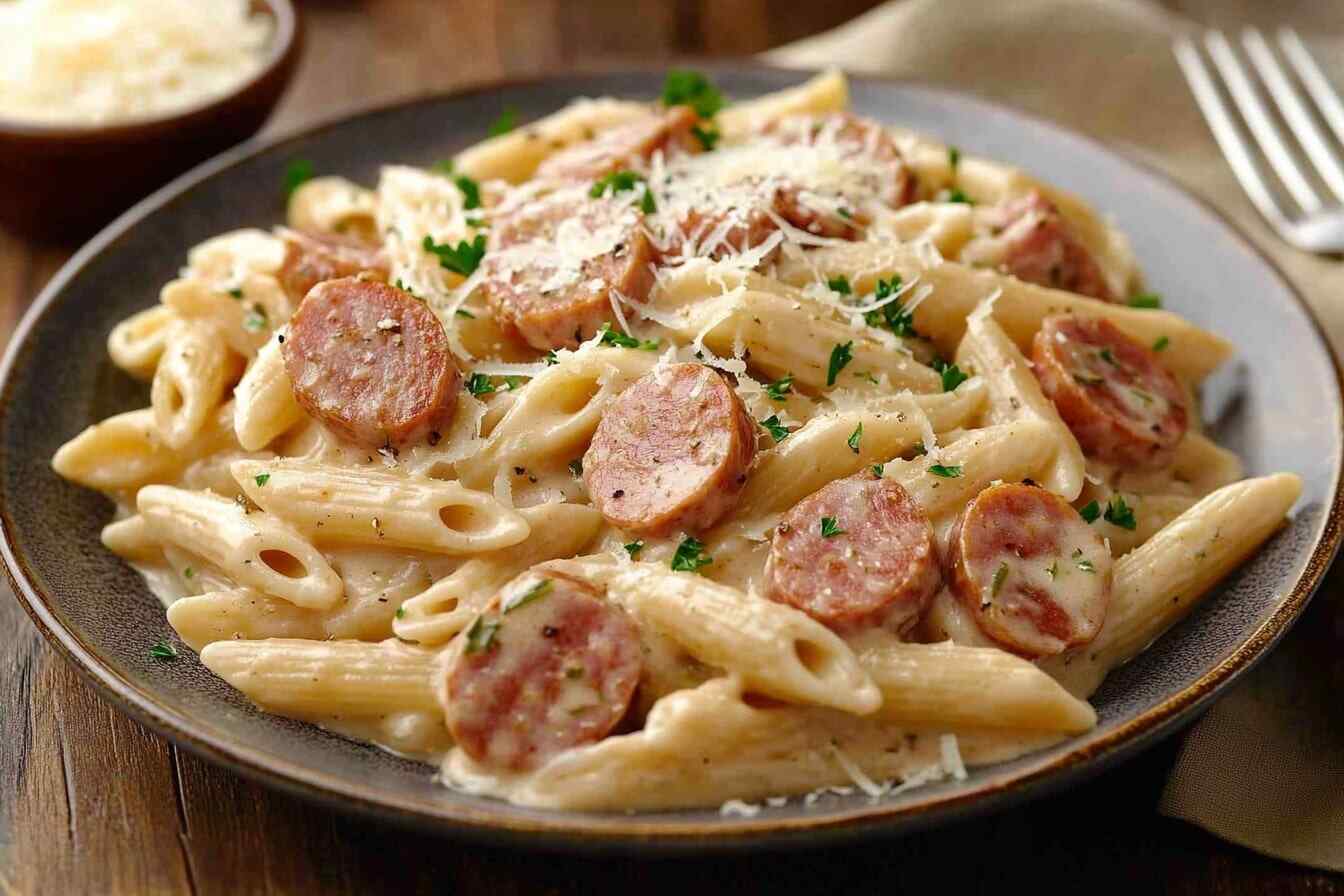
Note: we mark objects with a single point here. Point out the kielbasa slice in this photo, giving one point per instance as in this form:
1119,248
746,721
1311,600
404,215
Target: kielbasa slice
311,258
547,666
371,363
1033,574
857,552
1118,400
556,261
862,143
627,146
671,452
1034,243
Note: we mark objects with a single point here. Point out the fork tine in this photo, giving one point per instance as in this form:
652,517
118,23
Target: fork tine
1332,108
1225,132
1265,131
1294,111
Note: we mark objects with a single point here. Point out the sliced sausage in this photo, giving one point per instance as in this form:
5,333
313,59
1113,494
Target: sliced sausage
1032,573
863,144
1118,400
371,363
627,146
311,258
555,262
671,452
547,666
858,552
1033,242
707,231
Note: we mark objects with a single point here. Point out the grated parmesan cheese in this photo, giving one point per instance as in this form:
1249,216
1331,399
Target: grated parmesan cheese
89,62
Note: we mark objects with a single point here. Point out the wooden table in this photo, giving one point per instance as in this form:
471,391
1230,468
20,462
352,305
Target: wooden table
91,802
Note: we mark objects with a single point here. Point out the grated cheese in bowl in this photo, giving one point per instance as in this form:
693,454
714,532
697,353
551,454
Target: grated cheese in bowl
92,62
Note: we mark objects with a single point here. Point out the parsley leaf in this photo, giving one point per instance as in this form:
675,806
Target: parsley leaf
953,376
536,592
616,182
163,651
1145,300
1120,514
947,472
953,158
633,548
690,556
550,358
840,356
1161,343
688,88
261,479
507,121
443,166
479,384
481,635
829,527
462,312
840,284
471,192
780,388
1090,512
462,259
878,469
892,315
778,431
956,195
188,573
297,173
236,293
621,340
853,440
401,613
708,137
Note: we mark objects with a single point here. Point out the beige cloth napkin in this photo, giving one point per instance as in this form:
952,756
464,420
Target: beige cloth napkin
1265,766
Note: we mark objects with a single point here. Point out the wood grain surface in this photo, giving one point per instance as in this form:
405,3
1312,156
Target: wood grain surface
91,802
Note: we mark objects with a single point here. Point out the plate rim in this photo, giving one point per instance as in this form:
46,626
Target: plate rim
576,831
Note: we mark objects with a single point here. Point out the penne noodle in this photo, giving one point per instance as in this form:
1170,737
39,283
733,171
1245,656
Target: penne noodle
137,343
264,405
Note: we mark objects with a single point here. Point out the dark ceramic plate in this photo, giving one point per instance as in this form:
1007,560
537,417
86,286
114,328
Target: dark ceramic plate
57,380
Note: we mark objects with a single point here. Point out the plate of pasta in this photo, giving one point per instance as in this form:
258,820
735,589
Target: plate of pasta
683,458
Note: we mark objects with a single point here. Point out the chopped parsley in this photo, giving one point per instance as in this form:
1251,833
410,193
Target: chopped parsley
406,289
957,195
188,573
462,259
892,315
688,88
780,388
471,192
479,384
690,556
443,166
830,528
854,437
778,431
633,548
623,181
536,592
1090,512
163,651
840,284
550,358
236,293
953,376
576,466
507,121
953,158
621,340
1145,300
401,613
878,469
462,312
261,479
708,137
1120,514
947,472
1161,343
297,173
999,575
481,635
840,356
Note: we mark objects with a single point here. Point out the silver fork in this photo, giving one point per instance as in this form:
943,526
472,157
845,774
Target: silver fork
1307,219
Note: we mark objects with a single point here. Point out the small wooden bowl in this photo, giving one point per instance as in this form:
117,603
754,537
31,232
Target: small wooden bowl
61,182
